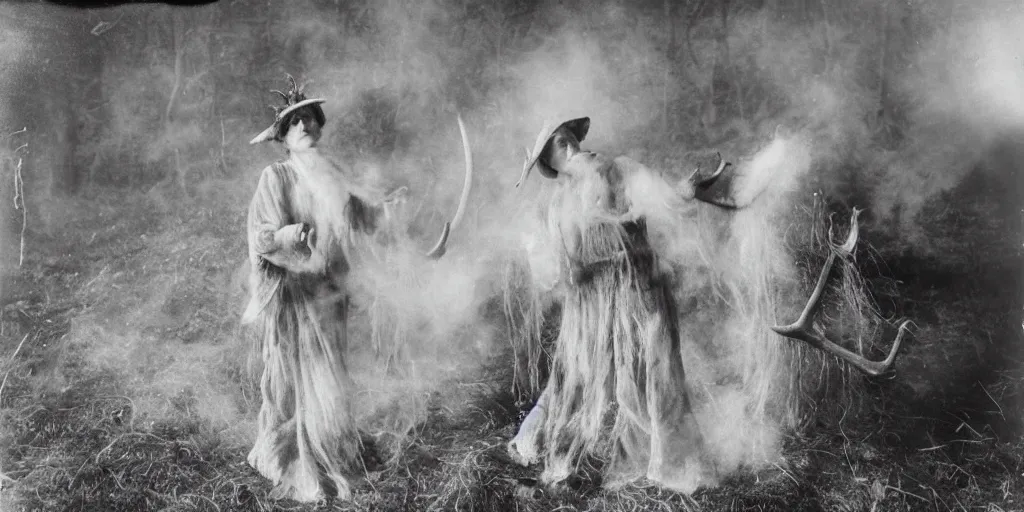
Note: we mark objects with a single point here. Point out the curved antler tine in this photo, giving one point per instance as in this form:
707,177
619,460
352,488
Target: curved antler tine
439,248
891,358
851,239
803,328
693,175
721,165
283,95
872,368
291,79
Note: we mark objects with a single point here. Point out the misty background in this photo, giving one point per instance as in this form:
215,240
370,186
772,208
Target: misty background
126,133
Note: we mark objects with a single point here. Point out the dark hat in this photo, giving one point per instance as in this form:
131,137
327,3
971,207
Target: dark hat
579,127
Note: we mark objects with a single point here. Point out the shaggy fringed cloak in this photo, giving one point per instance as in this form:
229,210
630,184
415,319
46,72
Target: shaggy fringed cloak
306,442
617,386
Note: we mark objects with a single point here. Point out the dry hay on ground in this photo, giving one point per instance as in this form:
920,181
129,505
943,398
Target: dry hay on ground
74,435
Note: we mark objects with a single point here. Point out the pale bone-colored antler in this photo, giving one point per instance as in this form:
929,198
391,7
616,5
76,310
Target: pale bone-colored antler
283,95
803,328
441,247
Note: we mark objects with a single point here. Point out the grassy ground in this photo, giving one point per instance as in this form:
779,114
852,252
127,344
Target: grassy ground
86,426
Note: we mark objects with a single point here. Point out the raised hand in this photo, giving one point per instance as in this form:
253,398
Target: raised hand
709,167
300,237
398,196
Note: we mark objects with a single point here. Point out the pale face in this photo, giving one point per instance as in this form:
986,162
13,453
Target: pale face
562,147
303,130
297,139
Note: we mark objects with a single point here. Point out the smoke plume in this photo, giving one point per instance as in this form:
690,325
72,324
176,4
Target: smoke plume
809,118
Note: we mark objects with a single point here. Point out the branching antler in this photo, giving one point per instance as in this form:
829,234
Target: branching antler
283,96
294,94
291,79
803,328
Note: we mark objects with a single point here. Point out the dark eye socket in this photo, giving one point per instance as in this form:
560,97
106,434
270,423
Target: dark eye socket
304,116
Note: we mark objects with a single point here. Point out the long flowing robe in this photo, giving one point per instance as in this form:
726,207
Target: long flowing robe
617,385
306,441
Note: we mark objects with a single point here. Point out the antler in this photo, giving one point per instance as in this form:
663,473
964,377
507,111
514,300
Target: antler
291,80
283,95
803,329
293,95
441,246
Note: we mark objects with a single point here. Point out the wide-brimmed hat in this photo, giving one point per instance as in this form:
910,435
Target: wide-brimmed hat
294,100
579,127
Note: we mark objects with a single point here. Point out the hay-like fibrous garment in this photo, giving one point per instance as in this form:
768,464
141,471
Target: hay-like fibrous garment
617,365
306,442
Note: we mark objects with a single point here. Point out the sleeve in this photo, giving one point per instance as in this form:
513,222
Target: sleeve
648,192
373,216
718,192
272,231
363,216
366,209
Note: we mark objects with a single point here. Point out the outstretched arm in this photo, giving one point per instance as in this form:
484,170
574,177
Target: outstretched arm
712,181
718,182
367,212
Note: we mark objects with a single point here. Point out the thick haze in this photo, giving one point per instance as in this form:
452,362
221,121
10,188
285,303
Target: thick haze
408,67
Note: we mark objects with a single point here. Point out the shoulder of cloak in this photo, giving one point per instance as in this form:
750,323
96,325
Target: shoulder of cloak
628,166
265,278
274,188
282,172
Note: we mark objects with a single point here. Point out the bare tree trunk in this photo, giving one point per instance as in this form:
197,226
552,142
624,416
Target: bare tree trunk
670,57
691,20
827,25
178,41
886,118
719,89
223,143
723,37
883,21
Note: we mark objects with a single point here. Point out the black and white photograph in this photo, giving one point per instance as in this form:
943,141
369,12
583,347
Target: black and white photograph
512,255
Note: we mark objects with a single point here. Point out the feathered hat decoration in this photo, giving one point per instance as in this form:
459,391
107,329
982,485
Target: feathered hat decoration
294,99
